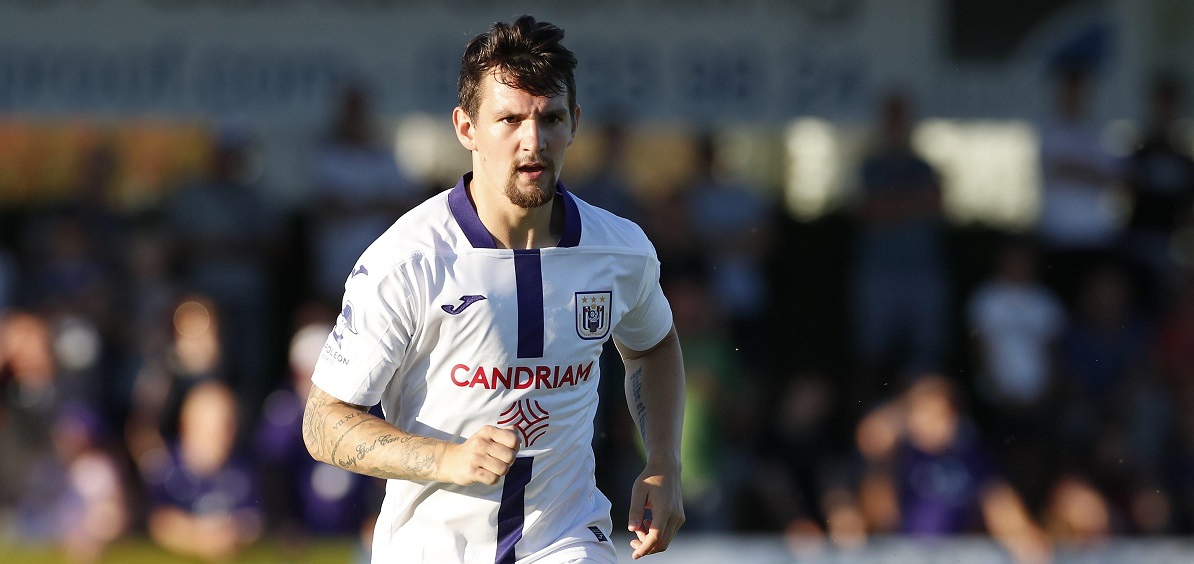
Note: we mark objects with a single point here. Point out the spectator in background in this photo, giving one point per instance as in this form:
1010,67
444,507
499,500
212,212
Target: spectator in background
29,403
152,295
58,483
305,497
74,248
204,498
359,192
608,187
1077,513
1161,179
901,287
1017,323
718,434
1103,352
670,228
929,473
1078,223
108,228
193,354
75,496
1114,412
797,458
1171,494
224,239
75,290
732,224
76,256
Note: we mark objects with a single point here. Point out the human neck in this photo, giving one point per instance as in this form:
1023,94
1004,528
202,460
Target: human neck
515,227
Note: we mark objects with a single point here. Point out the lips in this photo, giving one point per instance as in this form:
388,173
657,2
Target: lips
532,170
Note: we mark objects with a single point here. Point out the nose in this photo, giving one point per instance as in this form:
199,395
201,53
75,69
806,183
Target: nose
532,136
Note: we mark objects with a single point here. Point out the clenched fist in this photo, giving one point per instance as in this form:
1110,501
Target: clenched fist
484,458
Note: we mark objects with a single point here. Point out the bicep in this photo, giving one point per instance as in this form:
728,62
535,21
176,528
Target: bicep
630,354
323,414
648,321
319,399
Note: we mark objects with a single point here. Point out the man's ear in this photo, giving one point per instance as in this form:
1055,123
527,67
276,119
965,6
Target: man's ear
465,128
575,123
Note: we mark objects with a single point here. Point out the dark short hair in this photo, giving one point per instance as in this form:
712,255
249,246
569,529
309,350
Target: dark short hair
528,55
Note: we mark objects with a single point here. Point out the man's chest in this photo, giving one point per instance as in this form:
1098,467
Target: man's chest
530,305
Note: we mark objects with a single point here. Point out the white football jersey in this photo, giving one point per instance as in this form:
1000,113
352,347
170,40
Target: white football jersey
450,334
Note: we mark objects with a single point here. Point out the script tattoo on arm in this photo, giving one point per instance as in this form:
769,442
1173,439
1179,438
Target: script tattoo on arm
348,436
640,408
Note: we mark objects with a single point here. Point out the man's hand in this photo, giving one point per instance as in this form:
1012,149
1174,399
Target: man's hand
657,491
655,396
484,458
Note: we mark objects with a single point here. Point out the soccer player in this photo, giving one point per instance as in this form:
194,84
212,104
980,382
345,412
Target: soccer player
477,321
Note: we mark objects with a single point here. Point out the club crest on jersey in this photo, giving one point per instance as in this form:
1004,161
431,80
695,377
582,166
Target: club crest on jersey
592,314
346,322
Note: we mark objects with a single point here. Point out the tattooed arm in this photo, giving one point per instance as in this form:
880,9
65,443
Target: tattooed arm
655,395
348,436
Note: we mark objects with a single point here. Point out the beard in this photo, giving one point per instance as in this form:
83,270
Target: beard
538,194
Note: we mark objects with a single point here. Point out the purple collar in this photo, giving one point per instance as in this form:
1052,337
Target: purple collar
466,216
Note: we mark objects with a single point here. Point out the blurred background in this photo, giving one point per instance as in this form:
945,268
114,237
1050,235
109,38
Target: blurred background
930,261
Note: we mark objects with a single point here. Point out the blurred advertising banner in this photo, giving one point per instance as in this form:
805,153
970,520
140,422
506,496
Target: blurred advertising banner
43,161
703,61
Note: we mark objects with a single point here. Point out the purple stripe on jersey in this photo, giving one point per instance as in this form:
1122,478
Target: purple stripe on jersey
469,222
571,236
466,215
511,512
528,277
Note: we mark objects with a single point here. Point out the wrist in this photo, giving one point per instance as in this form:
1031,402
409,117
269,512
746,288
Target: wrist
440,471
664,462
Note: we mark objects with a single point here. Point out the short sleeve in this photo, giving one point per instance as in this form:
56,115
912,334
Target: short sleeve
650,316
365,348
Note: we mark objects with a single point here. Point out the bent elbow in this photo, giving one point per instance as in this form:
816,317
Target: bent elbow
312,430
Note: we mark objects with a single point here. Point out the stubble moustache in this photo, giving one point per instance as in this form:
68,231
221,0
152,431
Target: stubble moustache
530,199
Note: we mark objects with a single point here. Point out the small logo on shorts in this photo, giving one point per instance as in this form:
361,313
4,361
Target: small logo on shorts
597,533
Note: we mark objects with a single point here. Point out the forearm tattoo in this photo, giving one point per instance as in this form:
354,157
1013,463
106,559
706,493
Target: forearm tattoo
315,423
348,437
640,408
351,461
418,456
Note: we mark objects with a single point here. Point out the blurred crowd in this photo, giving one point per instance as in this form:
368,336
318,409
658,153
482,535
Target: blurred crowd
875,371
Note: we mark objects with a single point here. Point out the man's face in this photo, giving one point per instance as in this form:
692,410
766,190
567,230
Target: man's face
520,140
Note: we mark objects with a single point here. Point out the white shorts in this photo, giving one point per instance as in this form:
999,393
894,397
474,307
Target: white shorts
583,553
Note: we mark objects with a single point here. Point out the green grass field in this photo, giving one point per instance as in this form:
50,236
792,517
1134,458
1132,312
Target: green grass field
142,551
